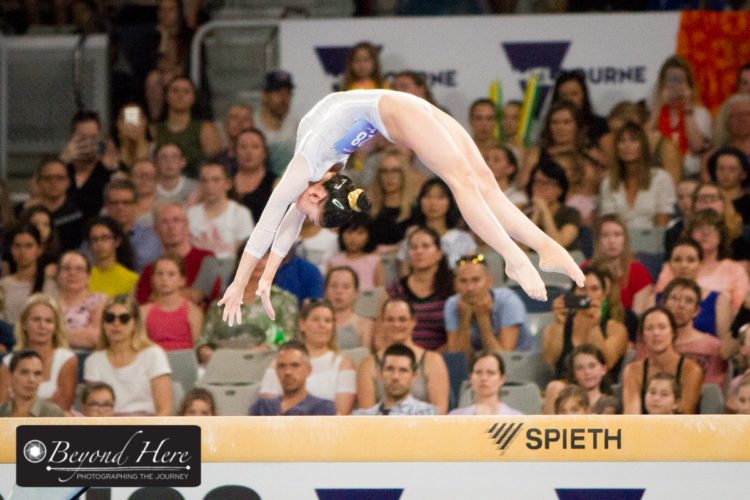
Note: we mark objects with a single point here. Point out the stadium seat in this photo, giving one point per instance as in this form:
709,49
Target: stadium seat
177,394
522,367
712,400
524,397
536,323
234,366
647,240
391,272
356,354
458,372
368,302
234,399
184,367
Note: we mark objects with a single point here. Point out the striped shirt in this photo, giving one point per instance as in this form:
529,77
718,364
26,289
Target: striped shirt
429,332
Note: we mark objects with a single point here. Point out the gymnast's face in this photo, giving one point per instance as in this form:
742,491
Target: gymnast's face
311,202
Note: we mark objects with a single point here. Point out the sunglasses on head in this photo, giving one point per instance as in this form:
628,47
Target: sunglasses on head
123,318
471,259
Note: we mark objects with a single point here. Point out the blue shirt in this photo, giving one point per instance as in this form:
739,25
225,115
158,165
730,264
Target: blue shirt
308,406
301,278
507,310
146,245
409,406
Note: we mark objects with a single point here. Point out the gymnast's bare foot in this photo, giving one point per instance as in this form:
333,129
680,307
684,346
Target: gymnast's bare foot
554,258
524,273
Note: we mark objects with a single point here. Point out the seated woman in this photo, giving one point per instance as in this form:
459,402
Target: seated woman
398,324
709,195
547,191
41,328
342,289
643,196
717,272
586,368
392,196
114,260
253,182
612,252
504,165
487,377
436,209
571,86
333,375
427,286
715,316
586,316
729,168
81,307
136,368
563,132
657,331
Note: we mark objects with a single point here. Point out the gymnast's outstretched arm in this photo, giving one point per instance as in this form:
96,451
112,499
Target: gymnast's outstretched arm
270,228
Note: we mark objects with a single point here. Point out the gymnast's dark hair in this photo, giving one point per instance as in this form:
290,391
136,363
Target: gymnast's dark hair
344,200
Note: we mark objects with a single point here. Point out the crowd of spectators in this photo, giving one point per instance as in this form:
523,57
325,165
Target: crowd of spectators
127,240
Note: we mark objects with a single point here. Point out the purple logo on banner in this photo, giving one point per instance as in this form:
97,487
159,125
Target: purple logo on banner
359,494
599,494
527,56
359,133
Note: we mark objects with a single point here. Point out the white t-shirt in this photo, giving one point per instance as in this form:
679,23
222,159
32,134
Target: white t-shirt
221,234
48,388
131,383
319,249
181,192
325,381
659,198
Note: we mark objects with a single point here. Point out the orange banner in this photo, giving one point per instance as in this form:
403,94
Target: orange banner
717,44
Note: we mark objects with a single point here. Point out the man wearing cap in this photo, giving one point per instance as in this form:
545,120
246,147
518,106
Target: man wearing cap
273,119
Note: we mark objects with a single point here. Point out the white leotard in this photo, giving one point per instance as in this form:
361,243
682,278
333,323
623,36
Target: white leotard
327,135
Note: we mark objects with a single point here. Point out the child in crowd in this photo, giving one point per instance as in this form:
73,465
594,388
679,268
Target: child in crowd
172,321
662,394
743,362
743,395
358,252
363,69
572,400
203,353
198,402
587,368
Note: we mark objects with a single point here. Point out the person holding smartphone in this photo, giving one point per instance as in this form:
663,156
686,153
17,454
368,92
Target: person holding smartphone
588,315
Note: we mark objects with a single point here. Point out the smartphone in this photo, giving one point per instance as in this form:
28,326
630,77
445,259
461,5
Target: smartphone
132,115
573,301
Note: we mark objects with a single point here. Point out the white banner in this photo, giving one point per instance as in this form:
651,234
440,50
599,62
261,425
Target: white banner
456,480
621,53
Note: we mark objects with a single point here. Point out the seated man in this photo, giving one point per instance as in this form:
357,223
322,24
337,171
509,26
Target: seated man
171,184
481,317
202,273
293,367
399,371
25,376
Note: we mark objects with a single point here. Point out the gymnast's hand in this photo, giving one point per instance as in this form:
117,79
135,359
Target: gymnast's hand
232,300
264,292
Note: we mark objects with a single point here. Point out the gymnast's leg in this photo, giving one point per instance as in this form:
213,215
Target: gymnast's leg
409,124
552,256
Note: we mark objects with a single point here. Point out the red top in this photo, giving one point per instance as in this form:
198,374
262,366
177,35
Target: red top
193,264
170,329
638,279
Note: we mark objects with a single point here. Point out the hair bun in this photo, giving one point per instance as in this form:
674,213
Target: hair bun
353,198
363,203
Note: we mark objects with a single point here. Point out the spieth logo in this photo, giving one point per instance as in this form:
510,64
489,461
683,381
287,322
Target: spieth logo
34,451
527,58
503,434
108,455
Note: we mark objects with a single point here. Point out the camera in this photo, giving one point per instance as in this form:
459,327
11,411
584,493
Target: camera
574,302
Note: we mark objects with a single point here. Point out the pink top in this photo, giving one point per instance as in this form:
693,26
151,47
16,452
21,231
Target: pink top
170,329
364,267
705,351
729,276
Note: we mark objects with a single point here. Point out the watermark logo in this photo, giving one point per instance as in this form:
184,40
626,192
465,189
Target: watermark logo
108,455
503,434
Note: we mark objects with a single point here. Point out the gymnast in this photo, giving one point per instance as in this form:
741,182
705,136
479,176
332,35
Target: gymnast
312,187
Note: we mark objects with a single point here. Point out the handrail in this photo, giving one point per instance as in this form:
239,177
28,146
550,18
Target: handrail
195,46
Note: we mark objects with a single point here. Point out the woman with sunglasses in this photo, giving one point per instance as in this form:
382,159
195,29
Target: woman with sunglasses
136,368
333,130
